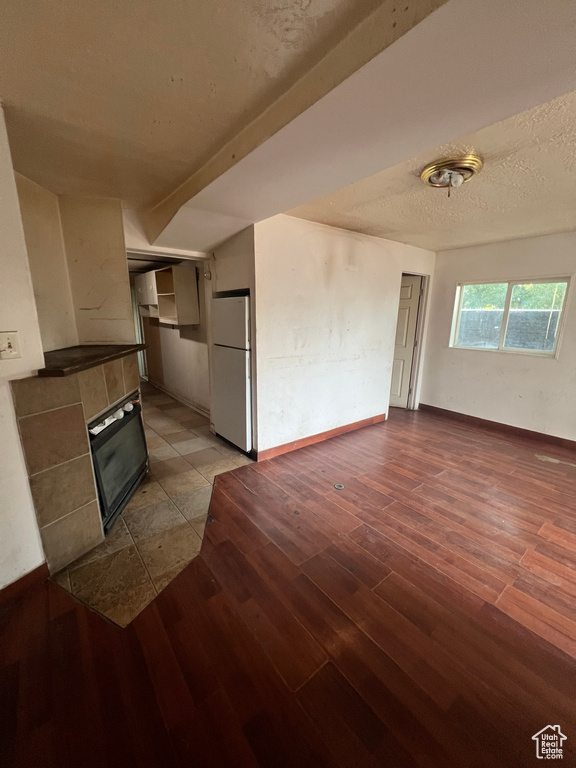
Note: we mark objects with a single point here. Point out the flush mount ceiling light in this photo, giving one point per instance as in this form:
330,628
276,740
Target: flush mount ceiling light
451,172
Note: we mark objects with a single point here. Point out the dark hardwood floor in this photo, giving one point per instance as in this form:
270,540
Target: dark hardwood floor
422,616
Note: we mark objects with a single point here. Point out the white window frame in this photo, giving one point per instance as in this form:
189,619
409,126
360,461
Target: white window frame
506,313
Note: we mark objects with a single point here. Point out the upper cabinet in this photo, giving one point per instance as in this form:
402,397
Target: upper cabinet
146,289
170,294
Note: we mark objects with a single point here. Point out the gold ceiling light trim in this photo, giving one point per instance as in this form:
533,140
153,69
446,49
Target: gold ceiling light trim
451,172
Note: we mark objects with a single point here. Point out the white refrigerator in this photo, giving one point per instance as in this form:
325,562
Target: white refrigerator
231,392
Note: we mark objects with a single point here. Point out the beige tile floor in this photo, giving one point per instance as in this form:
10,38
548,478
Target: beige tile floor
161,529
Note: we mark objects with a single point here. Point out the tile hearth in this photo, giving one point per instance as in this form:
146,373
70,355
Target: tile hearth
161,529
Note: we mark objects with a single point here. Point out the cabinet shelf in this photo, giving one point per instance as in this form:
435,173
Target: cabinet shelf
165,280
167,307
170,294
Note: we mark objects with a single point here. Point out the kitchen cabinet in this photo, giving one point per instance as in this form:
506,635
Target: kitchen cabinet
146,289
170,294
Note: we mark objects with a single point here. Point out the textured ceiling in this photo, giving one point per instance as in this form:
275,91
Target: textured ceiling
128,99
527,188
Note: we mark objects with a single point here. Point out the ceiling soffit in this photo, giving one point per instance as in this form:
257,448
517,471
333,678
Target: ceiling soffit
393,109
388,22
130,100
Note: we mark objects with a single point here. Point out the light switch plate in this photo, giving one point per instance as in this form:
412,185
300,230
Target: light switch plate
9,345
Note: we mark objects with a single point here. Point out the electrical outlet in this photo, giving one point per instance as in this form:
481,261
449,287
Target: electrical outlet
9,345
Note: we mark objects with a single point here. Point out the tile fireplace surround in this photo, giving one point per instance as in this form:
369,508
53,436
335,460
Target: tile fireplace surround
52,414
160,530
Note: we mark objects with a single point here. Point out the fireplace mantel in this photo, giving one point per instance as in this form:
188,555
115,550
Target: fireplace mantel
64,362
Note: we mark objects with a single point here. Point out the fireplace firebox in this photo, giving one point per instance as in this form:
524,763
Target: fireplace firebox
120,457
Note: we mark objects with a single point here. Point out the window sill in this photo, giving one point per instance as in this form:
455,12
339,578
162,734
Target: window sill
527,352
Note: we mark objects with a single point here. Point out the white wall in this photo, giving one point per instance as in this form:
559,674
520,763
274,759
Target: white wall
94,241
522,390
47,257
326,312
17,305
136,240
20,547
180,359
182,355
78,265
233,268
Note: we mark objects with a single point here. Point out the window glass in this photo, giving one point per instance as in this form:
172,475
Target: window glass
510,316
482,312
534,316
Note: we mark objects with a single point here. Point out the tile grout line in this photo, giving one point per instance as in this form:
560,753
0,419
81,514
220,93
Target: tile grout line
59,519
61,464
48,410
140,556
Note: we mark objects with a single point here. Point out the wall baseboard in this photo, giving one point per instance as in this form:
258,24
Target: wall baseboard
498,426
270,453
198,408
24,584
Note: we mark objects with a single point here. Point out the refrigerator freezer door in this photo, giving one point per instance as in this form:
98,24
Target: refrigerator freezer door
231,402
230,322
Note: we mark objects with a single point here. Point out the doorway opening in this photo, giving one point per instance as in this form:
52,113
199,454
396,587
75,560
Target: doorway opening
408,341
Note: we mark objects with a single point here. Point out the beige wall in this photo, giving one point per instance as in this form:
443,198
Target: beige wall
326,312
73,286
17,305
20,548
233,267
47,257
522,390
94,242
78,265
137,241
178,357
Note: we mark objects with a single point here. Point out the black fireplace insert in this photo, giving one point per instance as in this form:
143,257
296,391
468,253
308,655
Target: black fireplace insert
120,458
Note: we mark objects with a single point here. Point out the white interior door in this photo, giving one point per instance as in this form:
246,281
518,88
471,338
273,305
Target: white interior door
405,339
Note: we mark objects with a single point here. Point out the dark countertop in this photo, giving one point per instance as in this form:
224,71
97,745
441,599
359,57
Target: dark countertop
64,362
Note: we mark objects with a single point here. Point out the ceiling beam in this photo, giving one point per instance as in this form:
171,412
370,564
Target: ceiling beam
389,22
466,66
